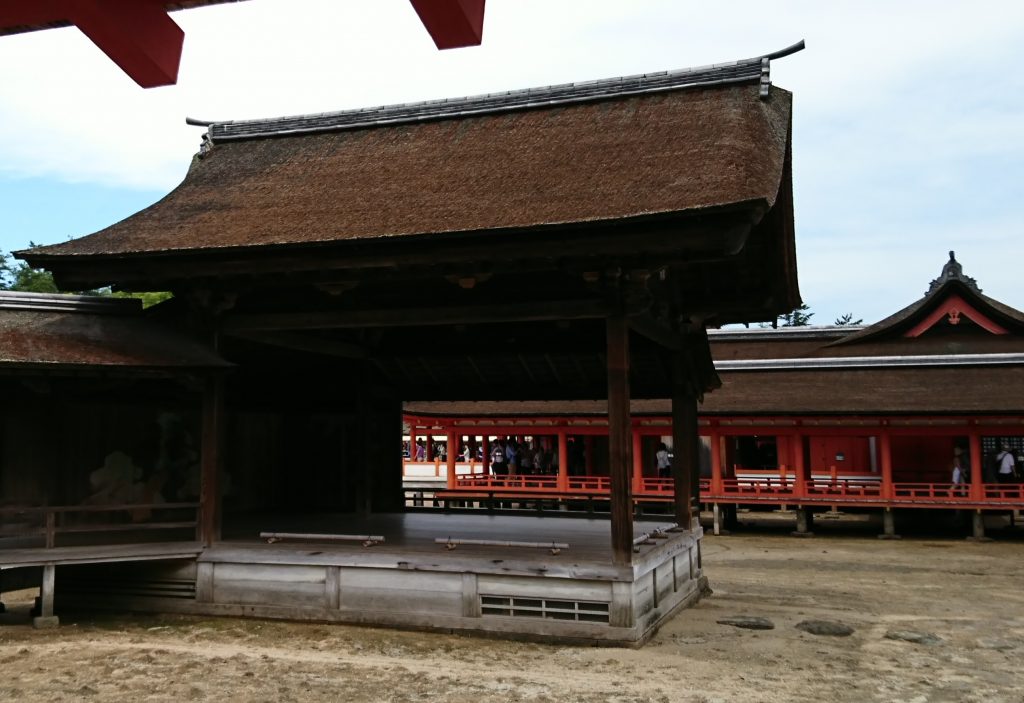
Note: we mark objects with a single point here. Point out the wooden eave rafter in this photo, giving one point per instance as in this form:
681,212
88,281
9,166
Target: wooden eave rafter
417,316
714,234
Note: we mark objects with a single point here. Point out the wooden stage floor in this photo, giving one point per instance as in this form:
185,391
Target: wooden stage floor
415,533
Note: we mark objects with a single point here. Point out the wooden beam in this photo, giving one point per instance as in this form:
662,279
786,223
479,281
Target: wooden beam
211,461
452,24
410,317
300,342
554,371
685,438
137,36
657,331
675,241
620,446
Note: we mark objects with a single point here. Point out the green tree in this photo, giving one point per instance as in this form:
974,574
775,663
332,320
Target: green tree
22,277
19,276
148,298
798,317
847,319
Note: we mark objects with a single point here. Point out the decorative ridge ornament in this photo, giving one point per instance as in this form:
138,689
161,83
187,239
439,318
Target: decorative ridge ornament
953,271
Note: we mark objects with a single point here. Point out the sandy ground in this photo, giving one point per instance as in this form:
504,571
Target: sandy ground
971,595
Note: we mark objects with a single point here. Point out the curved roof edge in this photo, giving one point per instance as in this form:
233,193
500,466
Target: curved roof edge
951,279
744,70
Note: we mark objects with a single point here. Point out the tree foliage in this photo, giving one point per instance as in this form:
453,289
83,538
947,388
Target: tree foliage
19,276
798,317
847,319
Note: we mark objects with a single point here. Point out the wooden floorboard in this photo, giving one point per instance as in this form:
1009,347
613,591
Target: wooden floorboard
412,536
10,558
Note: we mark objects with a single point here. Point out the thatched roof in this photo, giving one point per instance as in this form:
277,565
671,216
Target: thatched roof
686,141
82,333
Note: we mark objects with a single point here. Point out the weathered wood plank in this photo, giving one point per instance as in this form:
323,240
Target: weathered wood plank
596,591
470,595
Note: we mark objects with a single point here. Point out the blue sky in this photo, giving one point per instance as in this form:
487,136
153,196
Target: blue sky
908,127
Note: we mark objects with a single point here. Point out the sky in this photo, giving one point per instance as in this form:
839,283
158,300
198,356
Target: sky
908,135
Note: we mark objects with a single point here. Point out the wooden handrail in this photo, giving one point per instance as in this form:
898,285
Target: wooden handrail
51,526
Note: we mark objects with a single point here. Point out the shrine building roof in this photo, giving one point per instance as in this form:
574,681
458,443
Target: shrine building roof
617,150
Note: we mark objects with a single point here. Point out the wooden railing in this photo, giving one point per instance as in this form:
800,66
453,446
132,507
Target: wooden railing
50,522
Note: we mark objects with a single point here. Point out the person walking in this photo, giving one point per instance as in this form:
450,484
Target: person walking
1007,465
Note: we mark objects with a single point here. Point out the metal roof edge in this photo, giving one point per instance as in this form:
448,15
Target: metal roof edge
798,332
870,362
66,302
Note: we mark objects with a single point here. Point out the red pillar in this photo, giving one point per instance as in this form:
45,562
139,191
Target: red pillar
716,464
638,465
563,461
977,467
453,448
485,449
796,458
885,449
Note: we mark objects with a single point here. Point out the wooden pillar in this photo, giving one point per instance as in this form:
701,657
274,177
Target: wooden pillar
978,525
638,465
453,448
588,455
430,447
885,449
888,525
685,446
46,618
563,460
977,467
620,447
485,451
211,461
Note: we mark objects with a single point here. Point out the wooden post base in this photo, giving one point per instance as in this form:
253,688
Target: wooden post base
804,523
888,526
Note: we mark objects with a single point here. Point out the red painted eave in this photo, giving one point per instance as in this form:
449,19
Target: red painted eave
144,41
452,23
137,35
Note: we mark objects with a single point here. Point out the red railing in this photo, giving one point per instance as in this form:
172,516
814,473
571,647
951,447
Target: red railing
581,484
844,488
510,483
757,487
1004,492
769,488
590,484
658,486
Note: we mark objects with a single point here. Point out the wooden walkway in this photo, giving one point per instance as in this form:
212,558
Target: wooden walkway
96,554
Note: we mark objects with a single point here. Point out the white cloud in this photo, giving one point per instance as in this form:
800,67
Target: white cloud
907,129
